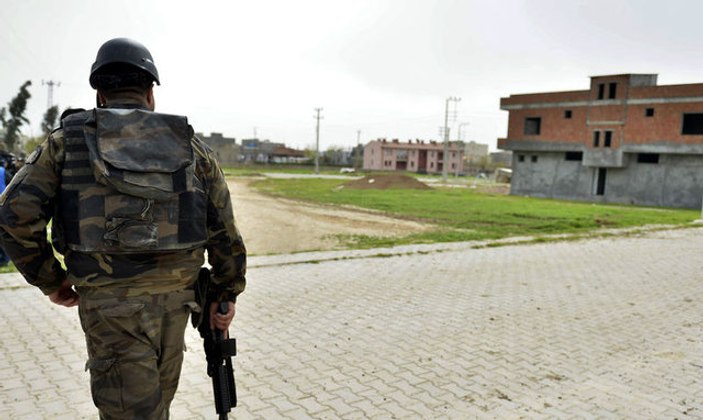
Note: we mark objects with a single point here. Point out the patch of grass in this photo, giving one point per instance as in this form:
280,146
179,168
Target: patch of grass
464,214
259,169
9,268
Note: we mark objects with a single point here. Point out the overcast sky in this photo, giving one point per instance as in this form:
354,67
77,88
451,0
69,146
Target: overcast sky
384,67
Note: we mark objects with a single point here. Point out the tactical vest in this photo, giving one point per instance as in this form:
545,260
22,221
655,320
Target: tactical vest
128,184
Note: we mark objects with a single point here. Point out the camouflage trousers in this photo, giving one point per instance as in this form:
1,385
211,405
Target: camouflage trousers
135,350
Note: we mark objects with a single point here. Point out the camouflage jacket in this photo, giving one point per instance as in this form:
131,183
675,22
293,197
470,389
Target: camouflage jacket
32,199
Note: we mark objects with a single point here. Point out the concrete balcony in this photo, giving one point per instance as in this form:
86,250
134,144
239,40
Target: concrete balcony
604,158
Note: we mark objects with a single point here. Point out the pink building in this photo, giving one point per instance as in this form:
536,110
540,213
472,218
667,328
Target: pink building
413,156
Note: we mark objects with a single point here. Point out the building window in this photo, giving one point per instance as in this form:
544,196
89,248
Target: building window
601,91
453,165
612,89
575,156
567,114
431,164
534,159
533,126
692,124
649,112
596,138
608,138
648,158
520,158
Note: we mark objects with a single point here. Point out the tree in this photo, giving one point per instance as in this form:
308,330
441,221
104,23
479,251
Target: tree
357,155
50,117
309,152
31,143
334,155
16,109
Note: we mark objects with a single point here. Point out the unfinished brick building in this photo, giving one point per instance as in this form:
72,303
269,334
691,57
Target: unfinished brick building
625,140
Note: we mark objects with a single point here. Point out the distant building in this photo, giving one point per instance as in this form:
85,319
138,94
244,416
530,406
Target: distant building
475,157
413,156
336,156
283,154
264,151
502,159
624,140
225,148
250,150
475,153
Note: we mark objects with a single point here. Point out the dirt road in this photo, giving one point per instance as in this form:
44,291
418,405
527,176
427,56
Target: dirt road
275,226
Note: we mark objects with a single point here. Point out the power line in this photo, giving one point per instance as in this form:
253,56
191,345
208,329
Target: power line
458,134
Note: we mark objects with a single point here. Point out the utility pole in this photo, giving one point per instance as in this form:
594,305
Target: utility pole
358,149
50,98
446,136
317,140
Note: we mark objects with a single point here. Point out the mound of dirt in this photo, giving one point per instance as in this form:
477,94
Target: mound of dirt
386,181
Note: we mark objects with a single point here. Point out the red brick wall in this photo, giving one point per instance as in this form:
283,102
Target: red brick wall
537,98
665,125
622,81
606,113
554,127
670,91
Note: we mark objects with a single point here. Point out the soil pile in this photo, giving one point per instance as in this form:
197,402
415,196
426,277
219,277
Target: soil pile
386,181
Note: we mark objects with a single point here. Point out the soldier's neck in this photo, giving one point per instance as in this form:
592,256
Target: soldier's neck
127,100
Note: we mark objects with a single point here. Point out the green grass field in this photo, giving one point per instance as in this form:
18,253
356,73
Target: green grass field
258,169
462,214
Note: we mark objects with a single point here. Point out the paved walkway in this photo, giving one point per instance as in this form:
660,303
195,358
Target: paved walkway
608,328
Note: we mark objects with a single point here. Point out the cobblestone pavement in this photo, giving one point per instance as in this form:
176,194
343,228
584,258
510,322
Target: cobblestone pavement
602,328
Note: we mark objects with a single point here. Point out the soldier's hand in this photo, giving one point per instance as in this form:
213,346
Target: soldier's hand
221,321
65,296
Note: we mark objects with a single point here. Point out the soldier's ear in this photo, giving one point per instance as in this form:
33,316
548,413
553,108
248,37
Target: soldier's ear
150,101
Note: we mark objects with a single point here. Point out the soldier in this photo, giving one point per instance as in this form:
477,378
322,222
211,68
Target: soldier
135,199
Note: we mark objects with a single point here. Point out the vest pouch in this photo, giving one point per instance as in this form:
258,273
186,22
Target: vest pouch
143,141
156,186
129,223
131,235
142,153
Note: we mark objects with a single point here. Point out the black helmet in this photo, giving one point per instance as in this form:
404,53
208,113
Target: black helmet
127,56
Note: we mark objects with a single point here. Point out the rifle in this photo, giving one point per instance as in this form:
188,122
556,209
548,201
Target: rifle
218,349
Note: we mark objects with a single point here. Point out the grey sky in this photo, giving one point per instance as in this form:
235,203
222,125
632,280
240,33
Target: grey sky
383,67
